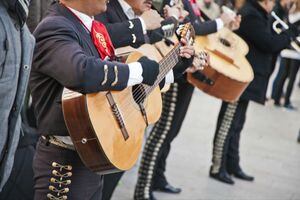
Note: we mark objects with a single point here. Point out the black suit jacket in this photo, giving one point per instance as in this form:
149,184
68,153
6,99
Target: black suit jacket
65,56
255,29
118,26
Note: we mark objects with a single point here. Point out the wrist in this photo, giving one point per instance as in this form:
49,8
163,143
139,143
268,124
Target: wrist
220,23
144,26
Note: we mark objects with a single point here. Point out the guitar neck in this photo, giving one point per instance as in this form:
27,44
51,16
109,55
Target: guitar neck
166,64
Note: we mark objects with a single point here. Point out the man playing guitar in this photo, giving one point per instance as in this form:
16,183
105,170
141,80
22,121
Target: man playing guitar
68,54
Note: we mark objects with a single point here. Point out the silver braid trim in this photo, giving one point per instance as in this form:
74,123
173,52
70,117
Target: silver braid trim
154,143
221,137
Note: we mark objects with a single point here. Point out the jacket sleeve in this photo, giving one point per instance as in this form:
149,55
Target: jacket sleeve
58,54
204,28
158,34
126,33
34,16
201,28
254,30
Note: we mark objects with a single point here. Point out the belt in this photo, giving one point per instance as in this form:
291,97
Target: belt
53,140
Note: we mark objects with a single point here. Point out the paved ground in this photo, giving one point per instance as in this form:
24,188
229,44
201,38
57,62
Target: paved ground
269,151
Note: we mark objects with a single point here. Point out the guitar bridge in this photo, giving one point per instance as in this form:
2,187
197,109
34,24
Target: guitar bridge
117,114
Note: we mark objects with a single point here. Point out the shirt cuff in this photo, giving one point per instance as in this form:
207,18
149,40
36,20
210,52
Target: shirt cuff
135,74
143,26
169,77
220,23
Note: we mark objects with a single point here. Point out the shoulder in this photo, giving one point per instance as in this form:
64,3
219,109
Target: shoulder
248,10
3,15
252,17
55,22
55,25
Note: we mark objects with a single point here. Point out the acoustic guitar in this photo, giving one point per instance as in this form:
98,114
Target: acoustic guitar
229,72
107,128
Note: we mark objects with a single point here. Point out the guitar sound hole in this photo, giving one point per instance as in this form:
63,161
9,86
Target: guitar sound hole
139,93
225,42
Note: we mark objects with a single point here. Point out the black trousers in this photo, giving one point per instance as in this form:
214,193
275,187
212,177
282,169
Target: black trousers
231,120
110,183
20,183
184,97
59,173
288,70
153,164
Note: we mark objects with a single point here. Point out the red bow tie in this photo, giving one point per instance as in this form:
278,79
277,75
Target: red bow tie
102,40
195,7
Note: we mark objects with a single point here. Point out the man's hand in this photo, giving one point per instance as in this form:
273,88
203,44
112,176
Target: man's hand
152,19
171,12
186,51
201,61
176,11
235,24
227,18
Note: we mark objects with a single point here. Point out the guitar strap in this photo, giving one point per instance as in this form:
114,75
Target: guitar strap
204,79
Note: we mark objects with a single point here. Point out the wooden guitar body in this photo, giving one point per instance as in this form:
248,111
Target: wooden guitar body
229,72
107,128
95,129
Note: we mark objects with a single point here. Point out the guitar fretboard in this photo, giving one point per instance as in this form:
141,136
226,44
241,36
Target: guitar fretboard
165,65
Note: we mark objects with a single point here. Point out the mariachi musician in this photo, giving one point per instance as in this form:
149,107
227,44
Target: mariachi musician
262,43
139,23
175,104
68,54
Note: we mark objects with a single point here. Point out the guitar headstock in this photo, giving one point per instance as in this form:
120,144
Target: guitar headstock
186,31
168,30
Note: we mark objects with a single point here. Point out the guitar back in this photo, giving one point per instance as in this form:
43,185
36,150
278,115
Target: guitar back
228,70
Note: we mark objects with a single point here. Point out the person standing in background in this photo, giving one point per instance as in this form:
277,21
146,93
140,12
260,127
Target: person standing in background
15,63
20,183
176,101
232,116
37,11
290,59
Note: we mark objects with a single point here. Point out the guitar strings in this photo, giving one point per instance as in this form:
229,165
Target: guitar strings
165,62
142,86
162,64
